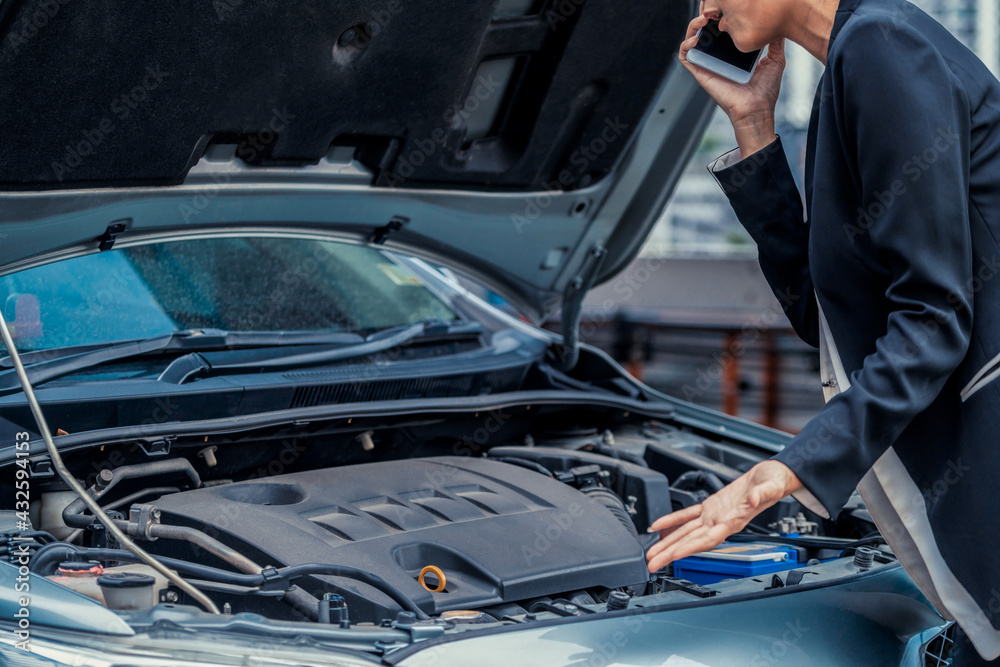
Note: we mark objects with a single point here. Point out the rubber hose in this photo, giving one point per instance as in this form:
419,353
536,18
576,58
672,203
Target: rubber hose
699,478
524,463
51,556
615,506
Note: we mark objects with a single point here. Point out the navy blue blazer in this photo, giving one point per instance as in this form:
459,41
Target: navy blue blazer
901,252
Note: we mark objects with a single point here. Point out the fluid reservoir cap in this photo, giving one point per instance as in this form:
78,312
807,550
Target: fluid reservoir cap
127,590
78,569
125,580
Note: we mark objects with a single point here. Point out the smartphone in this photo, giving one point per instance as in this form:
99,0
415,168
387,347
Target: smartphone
717,53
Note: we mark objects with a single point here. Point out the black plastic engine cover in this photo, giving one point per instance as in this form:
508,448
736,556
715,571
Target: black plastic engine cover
500,533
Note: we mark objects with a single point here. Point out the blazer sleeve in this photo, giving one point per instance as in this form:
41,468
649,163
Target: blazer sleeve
906,121
767,202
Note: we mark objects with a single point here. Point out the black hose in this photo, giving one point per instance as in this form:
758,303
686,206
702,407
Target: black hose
73,515
816,541
47,559
36,534
694,479
524,463
373,580
615,505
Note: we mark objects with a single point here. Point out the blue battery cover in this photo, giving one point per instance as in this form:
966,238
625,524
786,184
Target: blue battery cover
736,560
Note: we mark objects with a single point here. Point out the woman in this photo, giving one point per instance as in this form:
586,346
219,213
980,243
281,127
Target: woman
893,273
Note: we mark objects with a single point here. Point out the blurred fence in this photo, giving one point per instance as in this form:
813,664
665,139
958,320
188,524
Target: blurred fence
768,376
708,330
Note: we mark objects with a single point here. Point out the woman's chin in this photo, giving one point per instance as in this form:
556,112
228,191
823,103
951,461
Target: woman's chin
745,45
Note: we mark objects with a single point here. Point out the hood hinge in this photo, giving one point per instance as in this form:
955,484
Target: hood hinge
106,241
382,233
572,305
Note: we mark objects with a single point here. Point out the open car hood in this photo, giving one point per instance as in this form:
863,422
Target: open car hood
529,144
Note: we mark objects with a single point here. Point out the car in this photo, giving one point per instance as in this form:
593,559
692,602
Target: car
254,410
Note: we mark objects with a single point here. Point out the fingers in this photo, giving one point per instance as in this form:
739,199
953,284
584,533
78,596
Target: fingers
705,526
702,539
696,24
675,519
691,39
776,51
674,537
776,48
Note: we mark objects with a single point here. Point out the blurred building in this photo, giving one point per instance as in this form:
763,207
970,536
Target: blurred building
699,220
675,320
975,22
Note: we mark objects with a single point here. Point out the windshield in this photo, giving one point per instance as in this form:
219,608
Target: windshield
233,284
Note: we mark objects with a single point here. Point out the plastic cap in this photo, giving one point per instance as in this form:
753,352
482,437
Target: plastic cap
125,580
618,600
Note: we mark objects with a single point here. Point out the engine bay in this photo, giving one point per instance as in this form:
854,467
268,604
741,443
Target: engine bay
421,519
474,520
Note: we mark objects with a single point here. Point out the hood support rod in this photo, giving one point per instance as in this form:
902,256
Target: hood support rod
88,501
572,306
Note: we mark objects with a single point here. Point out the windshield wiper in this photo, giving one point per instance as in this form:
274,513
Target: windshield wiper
196,364
49,368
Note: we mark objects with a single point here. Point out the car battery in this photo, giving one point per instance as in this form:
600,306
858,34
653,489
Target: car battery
736,560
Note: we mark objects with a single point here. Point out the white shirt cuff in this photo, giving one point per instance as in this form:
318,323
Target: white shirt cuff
730,159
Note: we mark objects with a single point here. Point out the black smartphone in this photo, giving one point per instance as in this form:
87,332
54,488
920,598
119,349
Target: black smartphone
716,52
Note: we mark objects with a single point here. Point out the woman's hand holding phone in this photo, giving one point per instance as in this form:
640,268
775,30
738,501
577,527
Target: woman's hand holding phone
750,106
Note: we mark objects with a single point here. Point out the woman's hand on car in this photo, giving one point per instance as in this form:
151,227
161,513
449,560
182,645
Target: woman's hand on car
704,526
750,107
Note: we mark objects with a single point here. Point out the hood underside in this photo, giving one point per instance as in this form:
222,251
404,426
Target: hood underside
497,128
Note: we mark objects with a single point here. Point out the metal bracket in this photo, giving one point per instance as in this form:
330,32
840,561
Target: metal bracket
273,581
141,518
572,305
106,241
382,233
